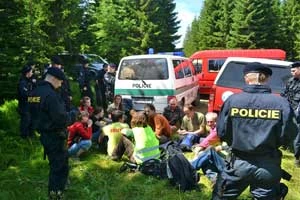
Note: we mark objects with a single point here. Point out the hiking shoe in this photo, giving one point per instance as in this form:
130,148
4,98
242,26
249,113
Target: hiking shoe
297,162
123,168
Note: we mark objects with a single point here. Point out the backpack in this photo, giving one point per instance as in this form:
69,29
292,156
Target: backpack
153,167
178,169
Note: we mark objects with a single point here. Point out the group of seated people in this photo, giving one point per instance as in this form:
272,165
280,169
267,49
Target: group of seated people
139,134
134,134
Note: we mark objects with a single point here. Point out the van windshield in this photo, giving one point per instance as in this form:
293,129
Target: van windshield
229,76
144,69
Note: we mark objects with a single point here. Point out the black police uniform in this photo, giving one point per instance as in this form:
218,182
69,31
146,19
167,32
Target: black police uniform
292,94
24,90
65,92
50,119
254,123
84,82
100,89
109,79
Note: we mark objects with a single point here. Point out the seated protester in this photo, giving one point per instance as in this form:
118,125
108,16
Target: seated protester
174,114
146,143
114,133
210,162
80,134
192,127
212,138
99,121
115,105
158,123
85,105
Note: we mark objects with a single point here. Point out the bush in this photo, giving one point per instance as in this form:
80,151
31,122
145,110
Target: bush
9,117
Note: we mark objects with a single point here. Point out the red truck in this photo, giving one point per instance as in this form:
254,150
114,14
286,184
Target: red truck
209,62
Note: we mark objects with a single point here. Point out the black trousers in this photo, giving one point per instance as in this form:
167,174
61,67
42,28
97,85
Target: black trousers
55,149
25,125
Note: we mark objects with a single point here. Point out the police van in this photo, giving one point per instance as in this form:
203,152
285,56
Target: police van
155,79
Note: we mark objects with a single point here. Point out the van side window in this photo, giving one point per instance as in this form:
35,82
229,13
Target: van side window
179,74
198,65
215,64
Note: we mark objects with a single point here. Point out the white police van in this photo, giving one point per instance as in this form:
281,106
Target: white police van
155,79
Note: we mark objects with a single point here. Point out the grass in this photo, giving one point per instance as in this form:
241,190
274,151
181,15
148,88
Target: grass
24,173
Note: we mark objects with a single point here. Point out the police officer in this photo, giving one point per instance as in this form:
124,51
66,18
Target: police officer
84,80
50,119
109,79
100,87
292,94
25,86
64,90
255,123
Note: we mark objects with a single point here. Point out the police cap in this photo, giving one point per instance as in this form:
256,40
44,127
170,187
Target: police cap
295,64
56,72
257,67
85,61
56,60
26,69
112,65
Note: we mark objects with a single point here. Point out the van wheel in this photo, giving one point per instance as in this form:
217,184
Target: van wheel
181,103
196,102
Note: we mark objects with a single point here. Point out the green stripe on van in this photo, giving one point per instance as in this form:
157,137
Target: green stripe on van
145,92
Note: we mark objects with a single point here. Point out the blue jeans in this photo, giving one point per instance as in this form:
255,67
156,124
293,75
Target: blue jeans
210,162
83,144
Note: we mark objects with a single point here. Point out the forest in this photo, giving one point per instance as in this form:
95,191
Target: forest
34,30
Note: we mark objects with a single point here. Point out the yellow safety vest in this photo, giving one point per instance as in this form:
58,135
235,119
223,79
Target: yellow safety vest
146,144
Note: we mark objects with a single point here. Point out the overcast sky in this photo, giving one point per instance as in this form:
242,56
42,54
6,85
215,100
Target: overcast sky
187,10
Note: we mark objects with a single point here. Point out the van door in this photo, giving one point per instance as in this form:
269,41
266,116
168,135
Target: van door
145,80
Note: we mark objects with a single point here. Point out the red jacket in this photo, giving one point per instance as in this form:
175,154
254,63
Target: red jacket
79,129
90,109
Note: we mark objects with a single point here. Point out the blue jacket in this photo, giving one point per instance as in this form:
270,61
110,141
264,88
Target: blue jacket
256,122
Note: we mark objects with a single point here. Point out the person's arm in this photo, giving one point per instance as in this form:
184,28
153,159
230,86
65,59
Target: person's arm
202,126
158,126
211,139
57,112
224,124
85,132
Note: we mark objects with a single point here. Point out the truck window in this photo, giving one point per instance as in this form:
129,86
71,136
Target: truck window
198,65
215,64
178,69
232,76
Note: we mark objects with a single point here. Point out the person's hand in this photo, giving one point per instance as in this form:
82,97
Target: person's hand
90,123
102,123
181,132
218,148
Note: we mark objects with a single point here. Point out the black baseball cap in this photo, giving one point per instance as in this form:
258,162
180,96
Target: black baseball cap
26,69
56,72
257,67
56,60
295,64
